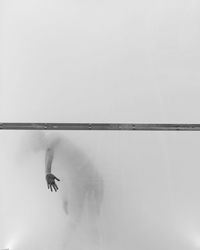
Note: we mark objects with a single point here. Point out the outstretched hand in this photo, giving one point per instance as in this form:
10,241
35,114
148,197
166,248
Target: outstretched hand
50,178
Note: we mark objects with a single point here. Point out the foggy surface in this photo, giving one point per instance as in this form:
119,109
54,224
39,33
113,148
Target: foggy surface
111,61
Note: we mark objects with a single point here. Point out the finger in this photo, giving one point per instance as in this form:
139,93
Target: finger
48,185
57,179
51,188
55,188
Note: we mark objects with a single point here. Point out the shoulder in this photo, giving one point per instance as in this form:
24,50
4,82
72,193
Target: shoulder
53,141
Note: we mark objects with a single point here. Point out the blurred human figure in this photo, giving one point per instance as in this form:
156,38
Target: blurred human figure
81,184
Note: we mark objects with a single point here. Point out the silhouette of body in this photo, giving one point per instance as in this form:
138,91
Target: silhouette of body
82,186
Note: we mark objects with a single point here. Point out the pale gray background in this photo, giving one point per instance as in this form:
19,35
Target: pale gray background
104,61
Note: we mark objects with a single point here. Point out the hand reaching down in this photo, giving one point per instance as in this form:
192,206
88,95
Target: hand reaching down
50,178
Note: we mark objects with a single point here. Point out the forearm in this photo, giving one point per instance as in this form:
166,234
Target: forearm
48,161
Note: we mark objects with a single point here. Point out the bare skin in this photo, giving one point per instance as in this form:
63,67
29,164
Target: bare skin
50,178
51,184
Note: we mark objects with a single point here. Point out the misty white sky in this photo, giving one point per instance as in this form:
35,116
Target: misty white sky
107,61
117,61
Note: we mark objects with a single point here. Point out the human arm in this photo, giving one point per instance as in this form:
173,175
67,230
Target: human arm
50,178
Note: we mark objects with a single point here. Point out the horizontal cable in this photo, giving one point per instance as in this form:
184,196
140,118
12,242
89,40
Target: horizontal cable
101,126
